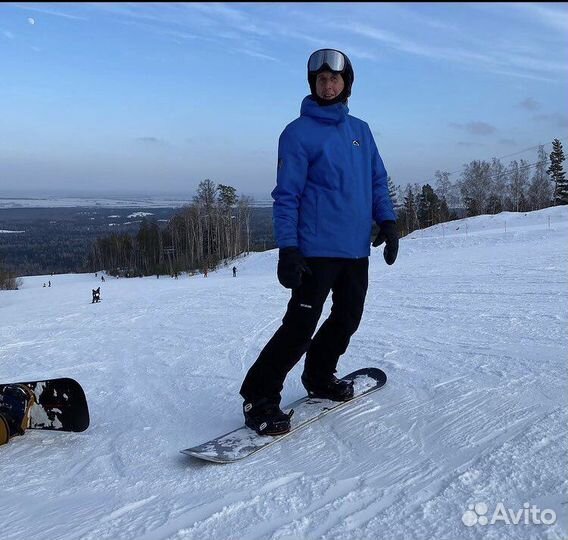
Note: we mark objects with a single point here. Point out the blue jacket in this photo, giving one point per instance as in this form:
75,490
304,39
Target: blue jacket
331,183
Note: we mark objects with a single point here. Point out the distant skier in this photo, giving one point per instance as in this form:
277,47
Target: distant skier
16,401
331,183
234,271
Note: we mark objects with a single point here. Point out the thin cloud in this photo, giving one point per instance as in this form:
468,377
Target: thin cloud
509,73
193,21
423,20
494,58
151,141
468,144
7,34
551,17
413,47
178,36
559,120
529,104
236,19
475,128
256,54
55,13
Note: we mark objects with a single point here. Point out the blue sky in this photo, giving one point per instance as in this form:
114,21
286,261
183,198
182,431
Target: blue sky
127,98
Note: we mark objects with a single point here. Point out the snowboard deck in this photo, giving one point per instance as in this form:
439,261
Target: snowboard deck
243,442
60,405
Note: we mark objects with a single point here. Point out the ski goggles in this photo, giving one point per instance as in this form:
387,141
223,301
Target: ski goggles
334,59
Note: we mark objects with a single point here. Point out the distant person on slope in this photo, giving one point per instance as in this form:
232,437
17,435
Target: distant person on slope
331,184
96,295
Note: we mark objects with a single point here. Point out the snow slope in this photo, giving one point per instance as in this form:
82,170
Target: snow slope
470,324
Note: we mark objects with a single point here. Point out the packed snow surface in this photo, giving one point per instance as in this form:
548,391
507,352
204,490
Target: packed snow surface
470,325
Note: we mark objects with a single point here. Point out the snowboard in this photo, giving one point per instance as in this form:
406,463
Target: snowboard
244,442
60,405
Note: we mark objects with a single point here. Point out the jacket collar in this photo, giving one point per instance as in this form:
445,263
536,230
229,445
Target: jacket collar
330,114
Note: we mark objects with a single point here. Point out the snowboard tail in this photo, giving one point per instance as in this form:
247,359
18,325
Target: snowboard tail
60,405
243,442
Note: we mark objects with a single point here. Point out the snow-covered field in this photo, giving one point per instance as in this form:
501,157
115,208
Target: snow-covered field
90,202
260,200
470,325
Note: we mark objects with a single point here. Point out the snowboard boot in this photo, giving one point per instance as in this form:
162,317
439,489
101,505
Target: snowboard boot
265,417
329,388
16,401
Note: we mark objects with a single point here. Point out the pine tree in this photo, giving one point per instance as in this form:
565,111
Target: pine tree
428,207
393,193
410,215
557,173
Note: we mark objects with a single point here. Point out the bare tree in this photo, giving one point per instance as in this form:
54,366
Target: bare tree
518,182
475,186
540,188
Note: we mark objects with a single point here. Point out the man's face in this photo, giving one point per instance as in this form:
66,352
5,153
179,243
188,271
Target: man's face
329,85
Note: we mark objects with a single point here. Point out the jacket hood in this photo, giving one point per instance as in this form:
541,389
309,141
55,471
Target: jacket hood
330,114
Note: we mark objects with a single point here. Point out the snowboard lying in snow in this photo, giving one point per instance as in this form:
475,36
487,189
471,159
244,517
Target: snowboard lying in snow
60,405
243,442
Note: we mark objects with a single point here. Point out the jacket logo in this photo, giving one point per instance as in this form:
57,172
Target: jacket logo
356,142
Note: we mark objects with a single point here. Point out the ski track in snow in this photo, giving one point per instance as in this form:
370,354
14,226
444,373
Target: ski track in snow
470,328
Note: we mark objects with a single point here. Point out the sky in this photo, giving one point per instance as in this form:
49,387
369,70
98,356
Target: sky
150,99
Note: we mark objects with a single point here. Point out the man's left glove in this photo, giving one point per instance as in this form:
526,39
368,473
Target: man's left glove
291,266
389,234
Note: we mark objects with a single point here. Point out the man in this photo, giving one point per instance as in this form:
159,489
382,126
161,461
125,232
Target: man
331,184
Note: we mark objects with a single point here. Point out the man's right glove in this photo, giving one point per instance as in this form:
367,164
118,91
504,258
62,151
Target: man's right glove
388,233
291,266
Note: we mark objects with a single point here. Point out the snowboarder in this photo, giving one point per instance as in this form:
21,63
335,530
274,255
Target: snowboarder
96,295
331,183
16,401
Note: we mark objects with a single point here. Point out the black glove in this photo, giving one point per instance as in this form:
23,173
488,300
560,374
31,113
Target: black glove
388,233
291,266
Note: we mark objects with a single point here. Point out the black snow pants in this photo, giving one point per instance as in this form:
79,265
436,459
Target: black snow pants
347,279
